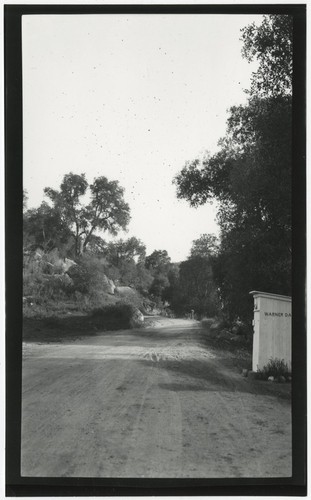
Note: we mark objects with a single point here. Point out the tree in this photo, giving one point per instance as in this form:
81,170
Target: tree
271,44
193,287
143,278
250,176
196,282
125,263
128,250
250,258
106,211
96,245
126,260
44,227
205,246
191,283
158,285
158,262
170,291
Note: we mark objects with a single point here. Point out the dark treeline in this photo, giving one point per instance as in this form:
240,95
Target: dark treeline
250,177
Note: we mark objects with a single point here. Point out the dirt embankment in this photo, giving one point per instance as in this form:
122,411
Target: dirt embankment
154,402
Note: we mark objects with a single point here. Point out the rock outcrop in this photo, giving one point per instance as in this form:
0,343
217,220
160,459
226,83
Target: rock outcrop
109,285
125,291
137,320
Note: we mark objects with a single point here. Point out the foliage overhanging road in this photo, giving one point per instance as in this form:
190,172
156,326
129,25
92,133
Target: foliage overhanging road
154,402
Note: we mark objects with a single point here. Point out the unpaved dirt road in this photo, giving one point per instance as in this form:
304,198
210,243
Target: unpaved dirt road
154,402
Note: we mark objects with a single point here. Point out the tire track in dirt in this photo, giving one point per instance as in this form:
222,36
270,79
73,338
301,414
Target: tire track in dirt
156,440
147,403
80,422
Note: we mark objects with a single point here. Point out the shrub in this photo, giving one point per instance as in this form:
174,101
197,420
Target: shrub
275,368
114,316
207,322
242,328
80,278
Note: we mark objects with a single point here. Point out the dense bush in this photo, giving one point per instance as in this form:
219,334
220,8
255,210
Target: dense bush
44,287
114,316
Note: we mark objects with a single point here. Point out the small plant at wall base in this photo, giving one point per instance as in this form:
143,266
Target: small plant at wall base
276,368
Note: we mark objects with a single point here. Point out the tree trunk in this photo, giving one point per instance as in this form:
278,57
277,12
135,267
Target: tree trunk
81,246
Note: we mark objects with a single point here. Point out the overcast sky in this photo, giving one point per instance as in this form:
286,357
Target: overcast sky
131,97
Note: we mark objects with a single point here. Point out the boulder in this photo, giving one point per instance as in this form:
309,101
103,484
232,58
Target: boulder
109,285
38,254
125,291
137,319
68,263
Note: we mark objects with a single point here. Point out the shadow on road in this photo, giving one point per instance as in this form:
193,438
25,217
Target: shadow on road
182,387
210,375
168,348
82,327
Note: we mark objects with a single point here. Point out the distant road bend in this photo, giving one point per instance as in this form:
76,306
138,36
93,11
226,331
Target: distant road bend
153,402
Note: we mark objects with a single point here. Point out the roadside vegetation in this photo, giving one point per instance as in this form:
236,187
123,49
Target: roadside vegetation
250,176
276,369
71,271
231,338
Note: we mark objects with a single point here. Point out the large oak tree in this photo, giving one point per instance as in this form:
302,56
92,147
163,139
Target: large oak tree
105,210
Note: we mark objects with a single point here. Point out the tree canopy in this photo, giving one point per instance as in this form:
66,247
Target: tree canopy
128,250
271,44
205,246
158,262
44,227
191,283
106,210
126,263
250,175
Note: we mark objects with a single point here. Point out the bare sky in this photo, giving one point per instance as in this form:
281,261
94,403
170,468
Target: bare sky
131,97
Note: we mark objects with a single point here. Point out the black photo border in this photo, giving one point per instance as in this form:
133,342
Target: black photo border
28,486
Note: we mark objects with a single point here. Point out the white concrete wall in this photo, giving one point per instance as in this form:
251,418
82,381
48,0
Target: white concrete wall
272,329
